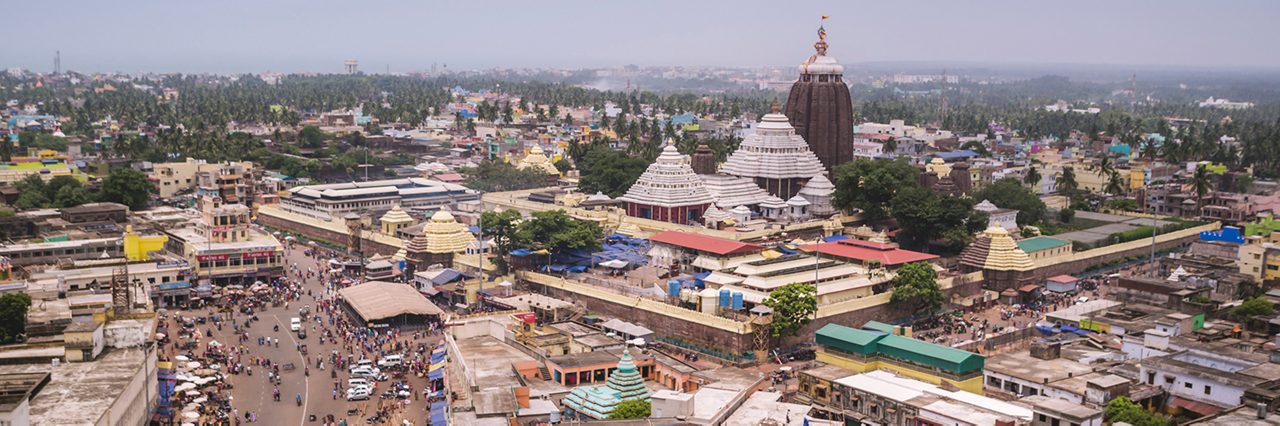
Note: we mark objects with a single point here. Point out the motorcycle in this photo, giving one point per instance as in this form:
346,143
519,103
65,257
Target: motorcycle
299,399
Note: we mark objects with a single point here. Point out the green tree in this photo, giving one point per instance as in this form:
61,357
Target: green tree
1243,183
1032,178
6,149
793,307
13,316
1066,215
70,196
1121,409
1066,182
1115,184
1010,194
915,287
563,165
604,170
126,186
31,200
1201,183
1253,308
558,232
926,216
311,136
501,227
631,409
498,176
870,185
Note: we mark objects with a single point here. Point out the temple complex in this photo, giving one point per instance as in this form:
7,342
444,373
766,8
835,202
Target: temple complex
668,190
820,109
440,239
775,157
597,402
394,220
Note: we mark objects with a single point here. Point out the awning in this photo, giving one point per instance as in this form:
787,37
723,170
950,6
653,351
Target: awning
1198,407
770,254
436,374
429,291
615,264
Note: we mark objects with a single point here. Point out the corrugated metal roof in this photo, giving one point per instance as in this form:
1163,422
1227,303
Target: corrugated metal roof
1035,244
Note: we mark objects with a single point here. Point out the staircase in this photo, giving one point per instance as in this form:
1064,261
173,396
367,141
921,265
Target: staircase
543,372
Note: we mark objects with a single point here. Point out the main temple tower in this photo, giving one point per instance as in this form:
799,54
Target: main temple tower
820,108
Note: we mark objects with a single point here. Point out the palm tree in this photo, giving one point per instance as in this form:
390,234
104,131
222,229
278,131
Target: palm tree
1115,186
1066,182
1032,178
1201,183
1104,166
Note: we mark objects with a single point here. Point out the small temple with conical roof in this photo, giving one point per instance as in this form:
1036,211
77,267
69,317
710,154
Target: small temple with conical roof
538,160
439,240
1003,265
394,220
775,157
597,402
668,191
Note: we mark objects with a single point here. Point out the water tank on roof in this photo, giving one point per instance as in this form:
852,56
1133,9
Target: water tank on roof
673,288
724,298
737,300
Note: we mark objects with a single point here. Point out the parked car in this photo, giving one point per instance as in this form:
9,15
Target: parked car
358,394
295,324
391,361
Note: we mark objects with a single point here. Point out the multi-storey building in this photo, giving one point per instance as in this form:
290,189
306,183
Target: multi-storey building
224,248
333,201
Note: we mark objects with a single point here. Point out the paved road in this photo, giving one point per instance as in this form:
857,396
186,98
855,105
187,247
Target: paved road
254,393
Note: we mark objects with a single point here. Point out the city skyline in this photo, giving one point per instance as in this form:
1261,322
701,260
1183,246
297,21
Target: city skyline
241,37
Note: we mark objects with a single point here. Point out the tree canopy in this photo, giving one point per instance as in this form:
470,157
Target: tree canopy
59,192
915,287
869,185
631,409
498,176
126,186
605,170
1010,194
793,305
925,216
557,231
501,227
1253,308
1121,409
13,316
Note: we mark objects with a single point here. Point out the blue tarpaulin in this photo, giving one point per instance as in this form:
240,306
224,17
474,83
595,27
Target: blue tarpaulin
437,374
834,238
447,276
521,252
437,357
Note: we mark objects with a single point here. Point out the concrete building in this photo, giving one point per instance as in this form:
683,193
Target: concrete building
881,397
224,248
333,201
864,350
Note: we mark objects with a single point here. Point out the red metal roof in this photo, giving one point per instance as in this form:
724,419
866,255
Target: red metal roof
448,177
704,243
1028,288
1063,279
886,254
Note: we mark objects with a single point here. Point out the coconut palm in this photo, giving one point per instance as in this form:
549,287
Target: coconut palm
1201,183
1115,185
1066,182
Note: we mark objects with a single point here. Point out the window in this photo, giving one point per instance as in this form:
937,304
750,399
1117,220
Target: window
1208,389
1043,418
1168,380
1188,385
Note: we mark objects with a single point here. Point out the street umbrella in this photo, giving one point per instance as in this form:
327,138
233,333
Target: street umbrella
184,387
191,415
181,358
188,424
193,364
192,393
199,400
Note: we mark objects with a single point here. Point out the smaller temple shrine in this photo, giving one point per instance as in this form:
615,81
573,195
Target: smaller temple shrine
668,191
818,191
597,402
949,179
774,156
1004,266
538,160
394,220
440,239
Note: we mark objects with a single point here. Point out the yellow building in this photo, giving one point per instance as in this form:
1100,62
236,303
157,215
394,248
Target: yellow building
863,350
137,247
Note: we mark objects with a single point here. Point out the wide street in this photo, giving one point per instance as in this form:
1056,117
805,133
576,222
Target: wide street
253,393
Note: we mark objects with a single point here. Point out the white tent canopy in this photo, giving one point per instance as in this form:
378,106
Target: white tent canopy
615,264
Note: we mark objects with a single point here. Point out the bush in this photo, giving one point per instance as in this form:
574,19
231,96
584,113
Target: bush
1066,215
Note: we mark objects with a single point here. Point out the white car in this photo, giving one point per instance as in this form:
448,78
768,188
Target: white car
357,394
356,382
295,324
366,372
391,361
361,363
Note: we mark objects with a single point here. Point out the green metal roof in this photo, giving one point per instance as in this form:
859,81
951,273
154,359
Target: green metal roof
946,358
878,326
1040,243
869,342
848,339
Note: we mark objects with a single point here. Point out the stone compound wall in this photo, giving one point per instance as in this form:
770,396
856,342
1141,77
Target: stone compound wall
339,239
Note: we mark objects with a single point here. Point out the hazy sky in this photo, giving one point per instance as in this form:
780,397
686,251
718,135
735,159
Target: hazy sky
317,35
